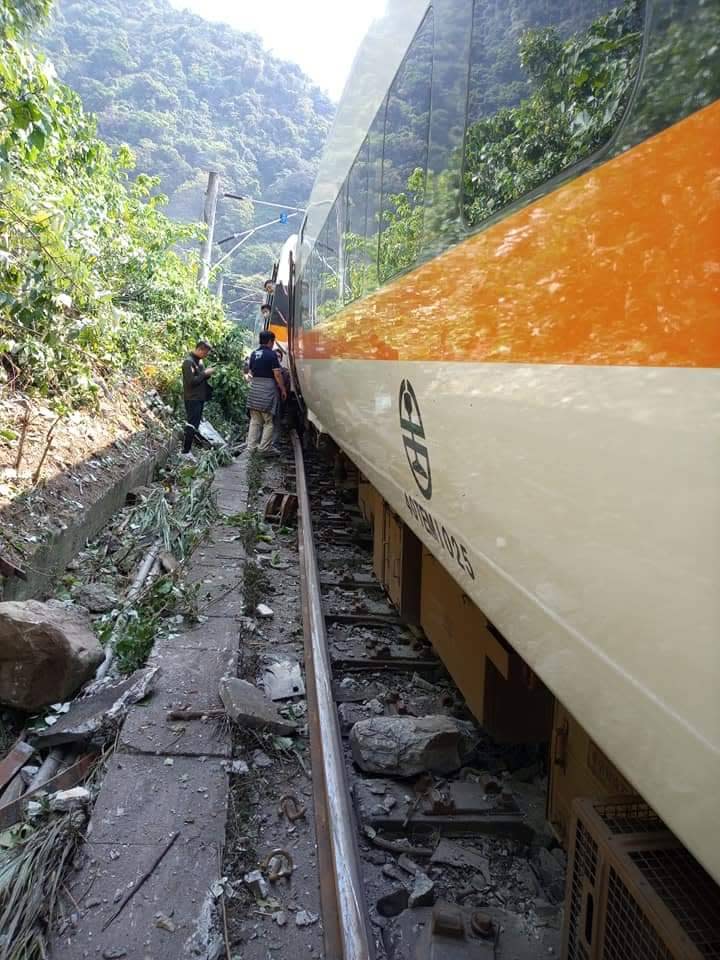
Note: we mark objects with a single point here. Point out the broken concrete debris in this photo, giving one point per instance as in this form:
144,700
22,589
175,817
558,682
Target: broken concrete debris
250,707
63,801
264,611
407,746
550,868
423,892
304,918
260,759
283,680
93,717
461,855
237,767
257,884
210,435
47,651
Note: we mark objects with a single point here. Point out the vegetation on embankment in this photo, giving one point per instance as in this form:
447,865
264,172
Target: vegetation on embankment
189,95
93,288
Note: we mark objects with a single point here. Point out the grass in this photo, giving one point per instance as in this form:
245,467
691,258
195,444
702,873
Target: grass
31,878
250,528
255,474
256,585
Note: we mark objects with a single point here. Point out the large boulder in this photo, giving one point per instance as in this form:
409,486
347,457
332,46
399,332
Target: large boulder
407,746
47,651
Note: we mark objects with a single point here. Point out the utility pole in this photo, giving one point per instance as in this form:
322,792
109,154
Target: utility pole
220,285
211,197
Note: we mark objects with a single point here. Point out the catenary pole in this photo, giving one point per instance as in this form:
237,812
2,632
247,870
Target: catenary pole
211,196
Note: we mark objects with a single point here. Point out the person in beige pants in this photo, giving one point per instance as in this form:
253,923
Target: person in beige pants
267,383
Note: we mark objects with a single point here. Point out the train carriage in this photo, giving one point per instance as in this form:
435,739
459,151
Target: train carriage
506,315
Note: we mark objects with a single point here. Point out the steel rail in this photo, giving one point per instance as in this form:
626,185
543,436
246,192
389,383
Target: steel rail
353,920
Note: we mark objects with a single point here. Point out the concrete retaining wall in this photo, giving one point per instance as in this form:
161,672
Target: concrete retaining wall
52,556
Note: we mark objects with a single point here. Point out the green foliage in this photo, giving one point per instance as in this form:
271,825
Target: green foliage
188,95
230,389
578,88
681,69
92,285
402,227
166,597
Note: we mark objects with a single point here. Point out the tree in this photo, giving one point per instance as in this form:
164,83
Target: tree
92,283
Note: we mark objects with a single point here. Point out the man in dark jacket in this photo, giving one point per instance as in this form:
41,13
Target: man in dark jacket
196,390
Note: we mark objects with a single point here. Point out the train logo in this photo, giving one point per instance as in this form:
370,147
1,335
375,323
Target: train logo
413,433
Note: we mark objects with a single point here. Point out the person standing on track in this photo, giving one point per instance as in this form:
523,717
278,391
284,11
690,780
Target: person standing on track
262,404
196,390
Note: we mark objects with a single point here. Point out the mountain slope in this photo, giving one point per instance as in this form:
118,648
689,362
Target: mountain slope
189,95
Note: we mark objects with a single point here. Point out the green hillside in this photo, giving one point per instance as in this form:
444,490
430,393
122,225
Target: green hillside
189,95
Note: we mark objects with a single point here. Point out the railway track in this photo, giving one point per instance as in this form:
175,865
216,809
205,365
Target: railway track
430,843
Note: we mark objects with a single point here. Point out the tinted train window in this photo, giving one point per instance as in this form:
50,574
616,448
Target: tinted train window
360,239
327,252
681,69
549,83
405,155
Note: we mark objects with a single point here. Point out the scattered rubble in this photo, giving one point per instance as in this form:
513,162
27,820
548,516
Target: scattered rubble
282,680
250,707
550,867
257,884
407,746
304,918
92,718
66,800
392,904
47,651
461,855
423,892
210,435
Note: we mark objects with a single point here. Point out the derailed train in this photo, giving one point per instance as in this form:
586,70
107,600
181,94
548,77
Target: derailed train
504,311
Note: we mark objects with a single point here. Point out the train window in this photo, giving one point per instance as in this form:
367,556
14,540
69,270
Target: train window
360,237
681,68
550,81
328,263
405,156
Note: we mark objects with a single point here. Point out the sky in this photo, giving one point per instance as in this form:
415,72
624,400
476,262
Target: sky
319,35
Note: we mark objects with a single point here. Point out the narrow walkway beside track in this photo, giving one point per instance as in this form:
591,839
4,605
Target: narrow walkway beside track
166,789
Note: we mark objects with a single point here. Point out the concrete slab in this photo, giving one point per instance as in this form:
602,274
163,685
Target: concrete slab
189,680
219,589
220,552
142,803
216,633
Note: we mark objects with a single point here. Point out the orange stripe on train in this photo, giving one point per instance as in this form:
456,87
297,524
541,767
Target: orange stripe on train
620,266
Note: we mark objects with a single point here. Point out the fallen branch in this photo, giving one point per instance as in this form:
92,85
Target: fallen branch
195,714
23,435
146,876
48,444
396,846
149,564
